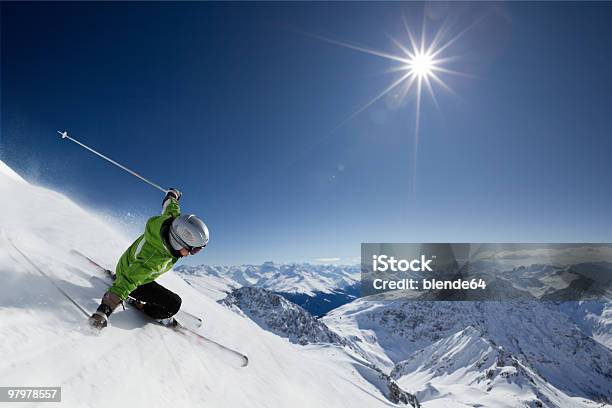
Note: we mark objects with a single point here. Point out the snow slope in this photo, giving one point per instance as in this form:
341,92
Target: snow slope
44,340
593,317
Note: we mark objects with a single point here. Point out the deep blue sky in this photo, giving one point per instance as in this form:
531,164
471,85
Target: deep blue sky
238,106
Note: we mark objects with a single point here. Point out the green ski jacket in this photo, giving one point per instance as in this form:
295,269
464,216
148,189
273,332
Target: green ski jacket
148,257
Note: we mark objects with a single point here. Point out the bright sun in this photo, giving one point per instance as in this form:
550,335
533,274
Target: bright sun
422,65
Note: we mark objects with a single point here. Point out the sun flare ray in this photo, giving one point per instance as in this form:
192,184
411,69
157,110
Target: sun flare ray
421,65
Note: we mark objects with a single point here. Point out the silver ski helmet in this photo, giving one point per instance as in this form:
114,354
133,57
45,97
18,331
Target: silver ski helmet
189,232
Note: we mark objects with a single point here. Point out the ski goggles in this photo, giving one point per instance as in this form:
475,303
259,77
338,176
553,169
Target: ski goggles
194,250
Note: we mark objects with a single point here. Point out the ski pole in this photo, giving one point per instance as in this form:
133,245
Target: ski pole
133,173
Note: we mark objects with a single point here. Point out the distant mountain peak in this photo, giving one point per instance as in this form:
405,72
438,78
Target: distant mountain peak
303,278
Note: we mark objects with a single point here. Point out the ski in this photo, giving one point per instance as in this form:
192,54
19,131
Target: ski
179,327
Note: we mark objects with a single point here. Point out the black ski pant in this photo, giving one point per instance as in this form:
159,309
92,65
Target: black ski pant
160,303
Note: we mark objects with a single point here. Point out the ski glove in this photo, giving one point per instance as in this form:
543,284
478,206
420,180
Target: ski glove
98,320
109,303
173,193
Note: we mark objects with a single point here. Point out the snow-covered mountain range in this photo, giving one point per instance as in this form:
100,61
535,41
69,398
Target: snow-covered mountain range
317,288
304,278
526,353
498,354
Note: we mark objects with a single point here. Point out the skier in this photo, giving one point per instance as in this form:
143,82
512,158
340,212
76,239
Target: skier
167,238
